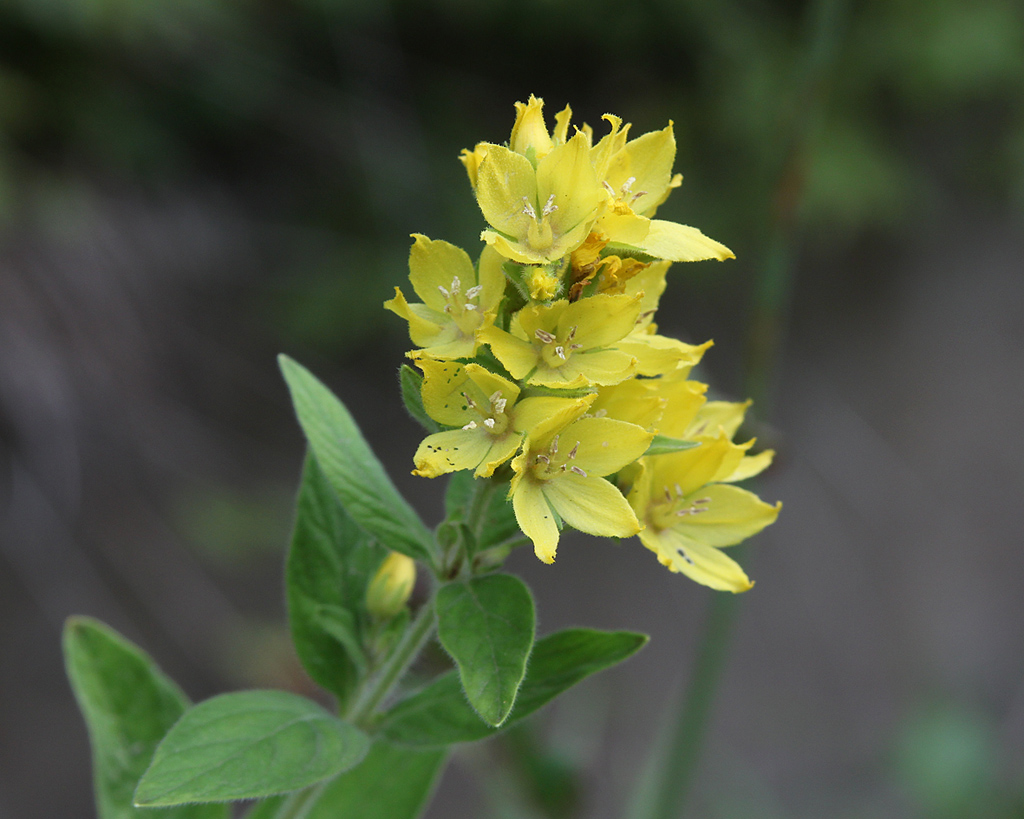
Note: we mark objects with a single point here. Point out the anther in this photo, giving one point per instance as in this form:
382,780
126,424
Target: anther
528,208
470,425
601,413
469,401
572,454
542,459
701,501
444,292
608,187
578,471
560,352
474,291
545,336
550,206
679,491
456,284
553,449
489,423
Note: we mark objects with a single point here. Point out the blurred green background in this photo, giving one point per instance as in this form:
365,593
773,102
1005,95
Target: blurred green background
188,187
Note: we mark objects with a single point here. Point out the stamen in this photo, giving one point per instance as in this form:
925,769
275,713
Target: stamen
474,291
489,423
668,495
601,413
701,501
572,454
578,471
627,185
469,401
528,208
469,307
444,292
550,206
470,425
544,336
560,352
572,333
575,347
553,449
542,459
608,187
456,285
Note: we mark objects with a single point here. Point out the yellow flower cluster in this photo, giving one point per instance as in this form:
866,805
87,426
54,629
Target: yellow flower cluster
544,354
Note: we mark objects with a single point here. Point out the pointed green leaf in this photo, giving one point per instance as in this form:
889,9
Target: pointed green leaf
662,445
351,467
487,625
439,715
391,783
248,745
330,563
411,382
128,705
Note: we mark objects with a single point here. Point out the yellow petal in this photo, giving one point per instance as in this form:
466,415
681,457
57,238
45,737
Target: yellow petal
583,369
529,133
600,320
504,180
591,505
648,160
566,174
471,159
731,516
561,131
491,278
705,564
691,469
423,328
500,451
636,401
657,355
681,243
434,264
443,385
450,451
530,413
725,414
518,356
535,519
604,444
750,466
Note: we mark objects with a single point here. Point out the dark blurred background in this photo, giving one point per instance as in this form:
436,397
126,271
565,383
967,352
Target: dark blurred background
188,187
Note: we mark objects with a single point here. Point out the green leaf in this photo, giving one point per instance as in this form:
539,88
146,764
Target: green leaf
330,563
411,383
663,445
391,783
351,467
487,625
128,705
439,714
248,745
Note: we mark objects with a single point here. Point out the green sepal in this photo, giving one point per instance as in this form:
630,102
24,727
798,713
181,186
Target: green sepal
128,705
487,625
439,715
390,783
330,563
249,745
411,383
663,445
352,469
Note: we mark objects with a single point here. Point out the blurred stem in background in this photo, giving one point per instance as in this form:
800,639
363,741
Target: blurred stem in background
672,768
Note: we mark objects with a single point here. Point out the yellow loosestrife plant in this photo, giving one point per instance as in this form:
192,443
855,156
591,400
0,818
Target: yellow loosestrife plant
551,401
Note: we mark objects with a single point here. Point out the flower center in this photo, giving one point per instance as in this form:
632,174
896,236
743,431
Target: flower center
673,507
464,308
555,352
493,418
539,234
550,463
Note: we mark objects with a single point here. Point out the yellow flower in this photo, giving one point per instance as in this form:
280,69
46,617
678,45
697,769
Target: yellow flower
490,418
458,300
637,178
689,517
560,475
567,345
725,417
537,214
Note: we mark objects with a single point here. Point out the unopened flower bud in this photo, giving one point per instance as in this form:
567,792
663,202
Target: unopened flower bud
390,588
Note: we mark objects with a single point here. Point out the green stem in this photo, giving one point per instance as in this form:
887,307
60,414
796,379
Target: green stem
415,638
684,744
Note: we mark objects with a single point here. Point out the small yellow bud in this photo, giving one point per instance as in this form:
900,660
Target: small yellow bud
543,286
390,588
